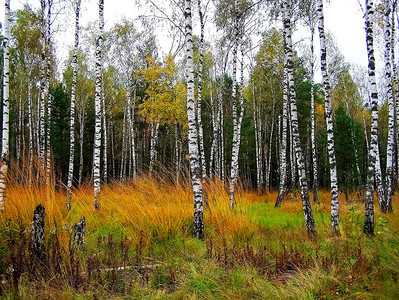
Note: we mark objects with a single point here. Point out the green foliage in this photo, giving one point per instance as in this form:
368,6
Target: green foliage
59,127
348,148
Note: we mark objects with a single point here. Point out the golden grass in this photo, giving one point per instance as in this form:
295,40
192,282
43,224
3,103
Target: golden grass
155,206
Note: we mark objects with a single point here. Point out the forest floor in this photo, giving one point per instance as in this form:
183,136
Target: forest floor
139,245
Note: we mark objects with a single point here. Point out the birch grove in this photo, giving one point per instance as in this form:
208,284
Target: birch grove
239,109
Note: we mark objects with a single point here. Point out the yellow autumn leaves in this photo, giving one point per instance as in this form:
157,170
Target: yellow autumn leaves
165,94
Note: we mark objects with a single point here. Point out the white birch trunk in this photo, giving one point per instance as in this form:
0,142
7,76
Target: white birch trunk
237,137
124,147
49,180
329,122
81,136
30,128
6,102
257,146
177,153
236,133
97,108
153,145
269,156
307,210
373,155
221,131
43,92
198,226
199,101
72,112
292,155
48,148
391,105
130,119
214,151
313,120
283,144
105,132
20,133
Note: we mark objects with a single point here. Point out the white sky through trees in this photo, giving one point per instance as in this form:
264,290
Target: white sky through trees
342,17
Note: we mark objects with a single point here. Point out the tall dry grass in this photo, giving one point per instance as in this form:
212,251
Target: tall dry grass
158,206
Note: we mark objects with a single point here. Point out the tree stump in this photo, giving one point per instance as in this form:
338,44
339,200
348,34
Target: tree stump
79,237
38,248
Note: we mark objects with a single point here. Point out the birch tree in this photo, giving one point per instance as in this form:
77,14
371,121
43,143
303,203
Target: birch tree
97,107
387,204
310,16
43,91
72,112
329,121
199,100
198,227
6,102
369,202
307,210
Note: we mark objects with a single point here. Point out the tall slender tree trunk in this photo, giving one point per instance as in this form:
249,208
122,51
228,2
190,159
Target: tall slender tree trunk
81,135
391,106
313,118
214,151
43,91
236,133
72,112
293,163
395,81
222,173
20,133
307,210
378,176
113,150
6,102
269,152
257,145
198,227
31,132
177,152
199,101
283,144
369,202
329,122
49,180
153,146
49,101
124,147
130,118
97,108
105,132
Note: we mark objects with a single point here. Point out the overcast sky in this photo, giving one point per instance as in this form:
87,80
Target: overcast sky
343,18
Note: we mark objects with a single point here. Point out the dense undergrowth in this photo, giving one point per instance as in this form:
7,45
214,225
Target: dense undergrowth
139,245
